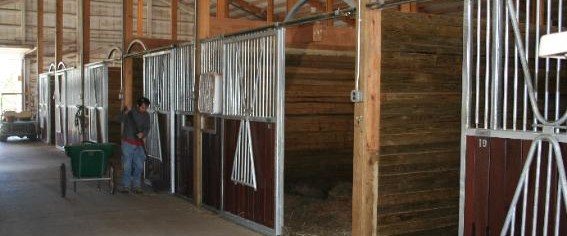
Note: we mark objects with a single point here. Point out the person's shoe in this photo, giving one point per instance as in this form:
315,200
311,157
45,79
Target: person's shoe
138,190
123,189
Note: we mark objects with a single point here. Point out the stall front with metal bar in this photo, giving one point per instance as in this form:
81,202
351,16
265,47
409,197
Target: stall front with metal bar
46,105
158,87
67,96
102,102
184,109
241,93
512,160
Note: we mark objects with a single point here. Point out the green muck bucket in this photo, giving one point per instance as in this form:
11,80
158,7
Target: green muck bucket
89,160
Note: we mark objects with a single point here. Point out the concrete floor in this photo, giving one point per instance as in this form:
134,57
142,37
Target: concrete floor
30,203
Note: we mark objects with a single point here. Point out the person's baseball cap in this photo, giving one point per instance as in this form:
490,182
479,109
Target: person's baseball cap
143,100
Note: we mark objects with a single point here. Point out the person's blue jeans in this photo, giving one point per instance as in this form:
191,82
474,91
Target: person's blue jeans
133,164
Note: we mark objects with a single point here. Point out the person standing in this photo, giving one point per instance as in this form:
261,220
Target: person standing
136,128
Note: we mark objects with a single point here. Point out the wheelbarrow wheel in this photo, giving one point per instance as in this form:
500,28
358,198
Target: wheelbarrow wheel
111,183
63,179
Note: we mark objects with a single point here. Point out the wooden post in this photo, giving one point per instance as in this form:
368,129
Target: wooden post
222,8
203,31
329,8
58,31
174,19
40,40
86,21
140,19
128,28
270,11
367,126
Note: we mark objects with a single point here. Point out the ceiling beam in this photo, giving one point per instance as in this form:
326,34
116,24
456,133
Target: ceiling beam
250,8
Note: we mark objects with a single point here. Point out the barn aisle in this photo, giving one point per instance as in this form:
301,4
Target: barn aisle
30,203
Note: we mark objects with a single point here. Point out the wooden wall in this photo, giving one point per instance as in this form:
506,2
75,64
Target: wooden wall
114,128
319,116
420,124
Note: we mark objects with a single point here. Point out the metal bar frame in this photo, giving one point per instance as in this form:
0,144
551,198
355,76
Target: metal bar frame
542,129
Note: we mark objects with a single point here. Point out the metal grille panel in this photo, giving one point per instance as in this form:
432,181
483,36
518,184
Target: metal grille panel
250,76
510,92
157,80
184,74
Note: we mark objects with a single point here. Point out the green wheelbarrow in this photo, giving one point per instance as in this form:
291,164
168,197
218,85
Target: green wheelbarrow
89,162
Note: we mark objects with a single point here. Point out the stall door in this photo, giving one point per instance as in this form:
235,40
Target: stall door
250,109
46,107
73,102
96,102
514,140
159,143
60,109
184,81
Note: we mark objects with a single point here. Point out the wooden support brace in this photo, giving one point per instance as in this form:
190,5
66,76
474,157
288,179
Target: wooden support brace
58,31
86,21
250,8
140,19
128,28
174,9
270,11
203,31
222,8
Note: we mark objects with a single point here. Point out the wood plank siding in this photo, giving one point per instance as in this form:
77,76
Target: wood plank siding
318,116
418,182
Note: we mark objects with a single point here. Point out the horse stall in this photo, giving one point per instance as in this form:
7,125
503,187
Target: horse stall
102,102
46,106
418,163
241,92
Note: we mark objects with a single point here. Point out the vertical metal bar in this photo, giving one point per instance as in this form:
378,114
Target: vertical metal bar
547,190
536,190
547,60
558,66
172,89
478,46
487,68
280,114
513,224
527,51
558,208
506,56
466,105
536,59
515,109
496,64
525,202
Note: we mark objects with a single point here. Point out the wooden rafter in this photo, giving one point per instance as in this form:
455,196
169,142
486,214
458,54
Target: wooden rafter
250,8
